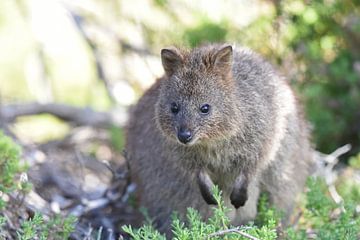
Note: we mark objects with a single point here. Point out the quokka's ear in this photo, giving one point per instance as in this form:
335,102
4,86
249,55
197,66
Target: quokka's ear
171,59
223,58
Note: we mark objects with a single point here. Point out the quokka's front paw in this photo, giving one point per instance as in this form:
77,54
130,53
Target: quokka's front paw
238,197
206,184
239,194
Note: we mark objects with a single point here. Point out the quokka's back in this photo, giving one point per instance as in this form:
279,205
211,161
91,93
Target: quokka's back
219,116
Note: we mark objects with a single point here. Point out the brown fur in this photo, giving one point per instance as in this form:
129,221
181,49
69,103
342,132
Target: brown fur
254,138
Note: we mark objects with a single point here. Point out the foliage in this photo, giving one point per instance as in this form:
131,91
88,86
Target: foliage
196,228
10,182
207,31
266,212
355,161
10,168
322,35
321,214
2,224
145,232
37,228
117,138
327,219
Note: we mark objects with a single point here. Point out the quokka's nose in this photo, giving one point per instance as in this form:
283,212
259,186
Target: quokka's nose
184,135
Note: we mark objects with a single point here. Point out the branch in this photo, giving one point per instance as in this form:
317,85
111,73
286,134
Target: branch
232,230
78,22
326,170
132,48
77,115
326,162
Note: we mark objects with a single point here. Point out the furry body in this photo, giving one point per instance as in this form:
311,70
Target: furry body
254,139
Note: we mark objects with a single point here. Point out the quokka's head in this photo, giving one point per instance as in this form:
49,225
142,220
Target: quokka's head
196,103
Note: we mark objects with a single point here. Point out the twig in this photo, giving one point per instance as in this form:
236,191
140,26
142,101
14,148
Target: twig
110,232
8,221
89,232
232,230
99,233
297,219
105,29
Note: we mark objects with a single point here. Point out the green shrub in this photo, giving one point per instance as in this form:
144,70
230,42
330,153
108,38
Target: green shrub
196,228
329,221
37,228
321,215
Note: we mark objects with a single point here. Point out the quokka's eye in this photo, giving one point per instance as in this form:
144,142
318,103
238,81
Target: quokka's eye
174,108
205,109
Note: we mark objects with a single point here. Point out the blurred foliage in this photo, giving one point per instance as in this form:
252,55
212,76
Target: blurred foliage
325,38
117,138
266,211
327,219
315,44
207,31
323,217
47,128
10,169
355,161
57,228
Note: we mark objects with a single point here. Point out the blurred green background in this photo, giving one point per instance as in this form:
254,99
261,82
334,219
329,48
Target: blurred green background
103,53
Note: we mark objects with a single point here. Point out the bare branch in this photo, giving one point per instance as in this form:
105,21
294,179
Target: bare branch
334,194
76,115
79,21
326,162
232,230
326,170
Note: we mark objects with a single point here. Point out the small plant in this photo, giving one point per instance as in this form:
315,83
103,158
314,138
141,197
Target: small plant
10,168
145,232
56,228
266,212
326,219
216,227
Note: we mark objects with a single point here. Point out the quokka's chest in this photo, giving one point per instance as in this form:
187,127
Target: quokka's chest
216,161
